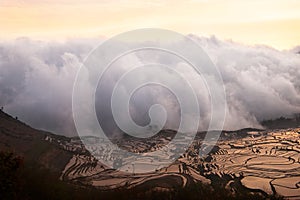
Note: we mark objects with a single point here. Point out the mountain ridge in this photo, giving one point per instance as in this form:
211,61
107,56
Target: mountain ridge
30,143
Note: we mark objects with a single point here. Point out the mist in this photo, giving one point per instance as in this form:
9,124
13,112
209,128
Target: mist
36,83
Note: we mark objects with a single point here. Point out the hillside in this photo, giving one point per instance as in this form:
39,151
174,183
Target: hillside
30,143
239,159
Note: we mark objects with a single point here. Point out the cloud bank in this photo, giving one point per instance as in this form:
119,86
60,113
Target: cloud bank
36,82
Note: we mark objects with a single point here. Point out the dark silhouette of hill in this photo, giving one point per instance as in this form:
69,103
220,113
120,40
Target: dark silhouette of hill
282,122
18,137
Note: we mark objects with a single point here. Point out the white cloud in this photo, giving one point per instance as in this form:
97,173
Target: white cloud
36,80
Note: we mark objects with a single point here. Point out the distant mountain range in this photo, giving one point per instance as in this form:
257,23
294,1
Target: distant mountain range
282,122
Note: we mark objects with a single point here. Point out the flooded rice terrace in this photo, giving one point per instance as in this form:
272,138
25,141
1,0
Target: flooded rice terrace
260,161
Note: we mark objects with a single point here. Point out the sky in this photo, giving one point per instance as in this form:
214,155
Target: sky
44,42
275,23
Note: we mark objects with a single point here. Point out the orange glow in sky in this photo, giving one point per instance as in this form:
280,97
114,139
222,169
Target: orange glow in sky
271,22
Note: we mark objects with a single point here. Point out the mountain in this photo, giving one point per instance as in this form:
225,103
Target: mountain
18,137
282,122
238,161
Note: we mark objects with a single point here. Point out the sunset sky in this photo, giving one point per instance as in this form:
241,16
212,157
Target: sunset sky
271,22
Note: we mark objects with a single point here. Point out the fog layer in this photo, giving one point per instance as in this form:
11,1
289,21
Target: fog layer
36,82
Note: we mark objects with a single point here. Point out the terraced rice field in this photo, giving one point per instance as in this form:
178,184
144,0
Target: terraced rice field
267,161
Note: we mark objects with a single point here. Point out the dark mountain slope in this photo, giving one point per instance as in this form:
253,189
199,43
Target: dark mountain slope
30,143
